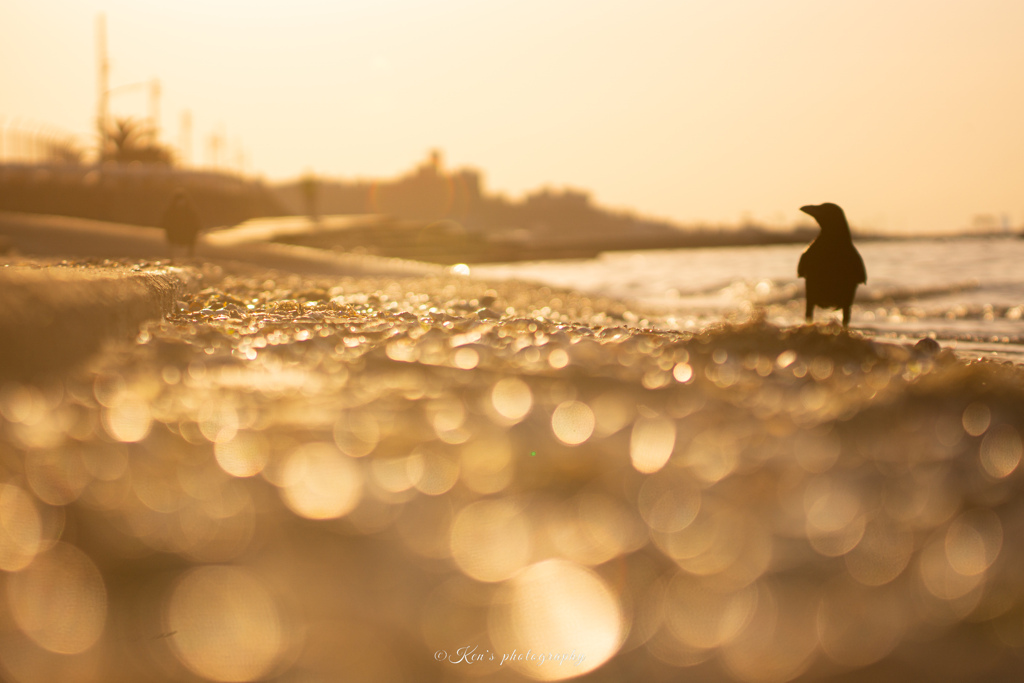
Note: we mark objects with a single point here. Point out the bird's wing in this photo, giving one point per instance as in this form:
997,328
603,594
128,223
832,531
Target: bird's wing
811,260
862,272
805,262
831,261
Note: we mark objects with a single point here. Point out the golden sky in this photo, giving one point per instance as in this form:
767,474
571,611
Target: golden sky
906,112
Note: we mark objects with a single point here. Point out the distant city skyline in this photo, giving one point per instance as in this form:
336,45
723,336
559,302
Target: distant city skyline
906,113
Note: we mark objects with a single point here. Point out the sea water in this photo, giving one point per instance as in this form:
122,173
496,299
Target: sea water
967,293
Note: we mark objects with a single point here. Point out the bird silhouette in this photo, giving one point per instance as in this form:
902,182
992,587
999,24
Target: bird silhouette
831,266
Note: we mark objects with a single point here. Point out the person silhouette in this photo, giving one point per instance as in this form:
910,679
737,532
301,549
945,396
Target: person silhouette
181,222
310,190
831,266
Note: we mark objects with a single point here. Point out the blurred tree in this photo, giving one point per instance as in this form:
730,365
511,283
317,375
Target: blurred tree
65,151
128,140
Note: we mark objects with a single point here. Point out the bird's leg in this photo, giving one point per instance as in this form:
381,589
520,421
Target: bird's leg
810,312
846,316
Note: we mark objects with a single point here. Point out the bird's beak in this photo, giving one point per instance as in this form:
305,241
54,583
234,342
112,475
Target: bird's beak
809,209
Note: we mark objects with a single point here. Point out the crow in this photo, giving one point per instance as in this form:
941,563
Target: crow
831,266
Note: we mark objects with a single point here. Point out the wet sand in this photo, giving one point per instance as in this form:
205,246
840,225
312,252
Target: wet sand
293,478
54,315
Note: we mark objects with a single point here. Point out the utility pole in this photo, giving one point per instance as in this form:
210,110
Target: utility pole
154,107
104,77
185,144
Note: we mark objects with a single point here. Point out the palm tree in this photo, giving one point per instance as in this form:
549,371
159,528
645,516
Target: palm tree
128,140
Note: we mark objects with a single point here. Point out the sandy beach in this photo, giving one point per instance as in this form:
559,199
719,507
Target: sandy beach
293,477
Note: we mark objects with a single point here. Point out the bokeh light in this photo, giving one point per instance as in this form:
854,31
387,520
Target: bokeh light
703,616
669,503
973,541
491,540
573,422
512,399
243,455
976,418
882,554
563,614
439,472
487,464
128,417
651,443
20,528
780,638
225,624
60,600
1001,451
319,482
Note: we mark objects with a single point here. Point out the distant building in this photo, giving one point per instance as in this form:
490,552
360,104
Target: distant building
427,193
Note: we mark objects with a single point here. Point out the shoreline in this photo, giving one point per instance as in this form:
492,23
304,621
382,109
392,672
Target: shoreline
433,459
